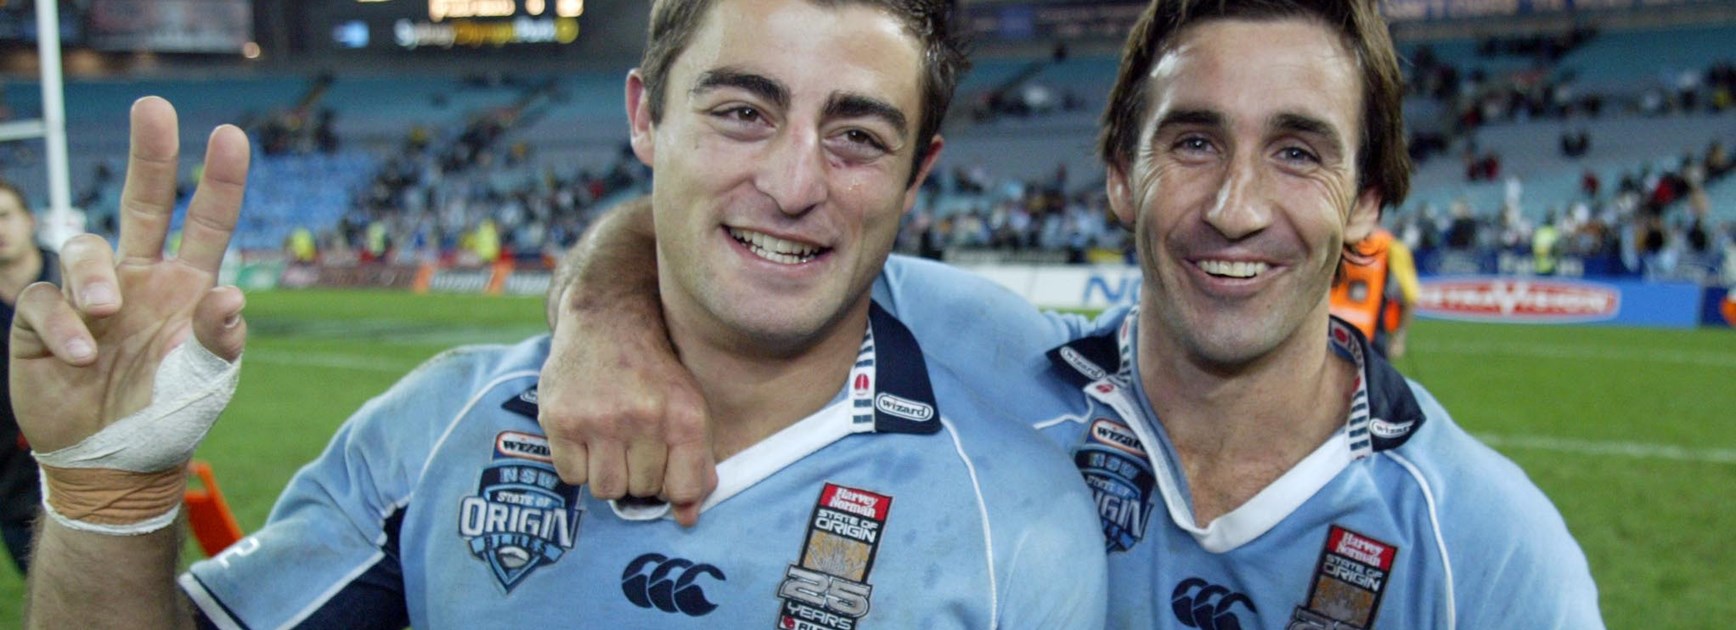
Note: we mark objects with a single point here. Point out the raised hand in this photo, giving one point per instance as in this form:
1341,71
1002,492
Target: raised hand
86,354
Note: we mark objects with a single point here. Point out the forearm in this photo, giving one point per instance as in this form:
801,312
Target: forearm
621,412
86,580
613,266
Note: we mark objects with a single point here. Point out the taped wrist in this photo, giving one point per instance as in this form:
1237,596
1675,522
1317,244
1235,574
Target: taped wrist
129,477
114,502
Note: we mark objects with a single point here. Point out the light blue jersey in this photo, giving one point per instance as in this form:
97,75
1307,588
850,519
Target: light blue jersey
1400,520
904,503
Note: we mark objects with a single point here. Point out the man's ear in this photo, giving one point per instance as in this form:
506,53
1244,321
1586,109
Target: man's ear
644,138
922,170
1120,195
1364,216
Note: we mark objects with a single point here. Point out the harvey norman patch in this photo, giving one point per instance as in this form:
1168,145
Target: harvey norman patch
828,589
1348,583
522,516
1116,469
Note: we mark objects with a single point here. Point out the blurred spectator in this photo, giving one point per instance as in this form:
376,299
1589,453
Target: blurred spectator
22,262
1575,143
1376,291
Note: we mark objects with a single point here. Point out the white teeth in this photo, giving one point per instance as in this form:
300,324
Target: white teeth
1235,269
773,248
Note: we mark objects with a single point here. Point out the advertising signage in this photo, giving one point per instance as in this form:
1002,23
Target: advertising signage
453,24
196,26
1041,20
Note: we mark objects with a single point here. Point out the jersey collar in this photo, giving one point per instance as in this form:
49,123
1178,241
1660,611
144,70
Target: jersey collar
1383,415
889,391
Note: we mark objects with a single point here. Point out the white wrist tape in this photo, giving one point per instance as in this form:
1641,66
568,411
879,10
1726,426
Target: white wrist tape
191,388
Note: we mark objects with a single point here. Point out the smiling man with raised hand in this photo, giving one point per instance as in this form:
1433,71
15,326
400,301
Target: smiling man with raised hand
861,485
1297,480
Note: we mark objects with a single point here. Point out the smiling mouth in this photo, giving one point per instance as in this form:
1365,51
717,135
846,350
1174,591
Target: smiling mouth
1239,269
775,249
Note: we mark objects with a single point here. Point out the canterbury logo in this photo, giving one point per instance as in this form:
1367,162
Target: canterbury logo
1201,604
669,586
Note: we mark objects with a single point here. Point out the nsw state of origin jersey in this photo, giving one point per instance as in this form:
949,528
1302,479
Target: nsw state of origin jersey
902,504
1400,520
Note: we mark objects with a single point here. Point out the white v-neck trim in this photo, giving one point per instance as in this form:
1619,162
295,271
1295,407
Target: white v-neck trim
1274,503
1277,501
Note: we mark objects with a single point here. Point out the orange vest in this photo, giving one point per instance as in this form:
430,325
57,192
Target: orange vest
1360,295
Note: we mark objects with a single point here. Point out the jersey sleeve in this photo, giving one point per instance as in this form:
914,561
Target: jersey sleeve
1059,573
1537,578
1511,566
962,318
328,554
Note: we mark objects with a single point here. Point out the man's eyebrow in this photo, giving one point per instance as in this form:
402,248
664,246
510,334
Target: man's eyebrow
847,105
1304,124
1190,117
757,84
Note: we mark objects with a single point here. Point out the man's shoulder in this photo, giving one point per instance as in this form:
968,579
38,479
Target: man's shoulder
1477,497
483,361
1499,534
453,380
994,426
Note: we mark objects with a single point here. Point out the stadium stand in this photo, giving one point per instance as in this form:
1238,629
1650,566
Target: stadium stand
538,156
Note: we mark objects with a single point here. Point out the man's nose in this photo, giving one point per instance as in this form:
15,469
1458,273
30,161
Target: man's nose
794,172
1243,205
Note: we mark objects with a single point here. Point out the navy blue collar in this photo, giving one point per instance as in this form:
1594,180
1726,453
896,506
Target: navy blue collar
1393,412
888,386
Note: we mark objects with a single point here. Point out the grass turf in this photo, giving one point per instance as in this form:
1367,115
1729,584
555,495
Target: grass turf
1628,430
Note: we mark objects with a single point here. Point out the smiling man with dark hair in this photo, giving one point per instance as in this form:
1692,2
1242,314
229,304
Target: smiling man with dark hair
861,485
1255,463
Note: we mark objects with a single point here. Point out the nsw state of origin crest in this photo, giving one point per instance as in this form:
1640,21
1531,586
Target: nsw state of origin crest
522,516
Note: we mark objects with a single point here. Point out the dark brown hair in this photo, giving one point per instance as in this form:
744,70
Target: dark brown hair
673,23
1382,161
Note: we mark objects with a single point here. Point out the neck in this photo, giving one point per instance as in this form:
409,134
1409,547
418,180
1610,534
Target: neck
751,393
1238,427
17,273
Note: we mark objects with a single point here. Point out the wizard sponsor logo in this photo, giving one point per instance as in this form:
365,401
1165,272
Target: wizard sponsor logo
522,446
903,407
1082,364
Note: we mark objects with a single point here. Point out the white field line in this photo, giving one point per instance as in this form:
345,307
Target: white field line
1557,351
1597,448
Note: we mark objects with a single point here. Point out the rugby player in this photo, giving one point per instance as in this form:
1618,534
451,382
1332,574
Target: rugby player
860,484
1297,480
22,262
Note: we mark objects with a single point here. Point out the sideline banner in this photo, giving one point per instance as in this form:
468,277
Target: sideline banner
1502,299
1559,301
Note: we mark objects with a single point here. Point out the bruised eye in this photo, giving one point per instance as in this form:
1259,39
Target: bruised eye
858,145
864,138
739,113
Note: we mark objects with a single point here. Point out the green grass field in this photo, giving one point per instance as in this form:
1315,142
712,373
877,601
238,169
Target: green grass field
1627,430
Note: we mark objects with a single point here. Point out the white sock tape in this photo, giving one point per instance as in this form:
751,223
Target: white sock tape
192,387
